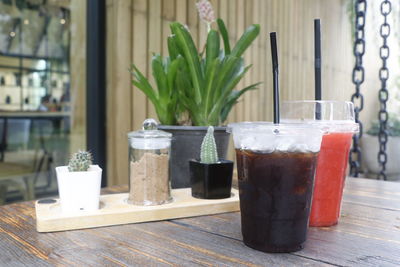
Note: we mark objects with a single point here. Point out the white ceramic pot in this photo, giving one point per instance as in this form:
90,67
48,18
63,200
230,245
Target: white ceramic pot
370,149
79,191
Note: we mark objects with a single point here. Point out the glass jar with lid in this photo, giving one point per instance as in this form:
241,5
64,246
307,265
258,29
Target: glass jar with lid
149,181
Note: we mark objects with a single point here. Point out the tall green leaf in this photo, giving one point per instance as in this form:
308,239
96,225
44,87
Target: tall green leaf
185,42
160,78
215,113
143,84
245,40
232,100
211,76
224,34
172,49
235,78
228,67
212,48
171,74
185,92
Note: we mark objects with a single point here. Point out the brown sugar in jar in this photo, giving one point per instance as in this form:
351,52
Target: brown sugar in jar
149,182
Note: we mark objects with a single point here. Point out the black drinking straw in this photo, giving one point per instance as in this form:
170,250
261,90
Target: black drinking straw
317,66
317,58
275,73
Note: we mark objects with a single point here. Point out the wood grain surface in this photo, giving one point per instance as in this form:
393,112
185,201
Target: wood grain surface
368,234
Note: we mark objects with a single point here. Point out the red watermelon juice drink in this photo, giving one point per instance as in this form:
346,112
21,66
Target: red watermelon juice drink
330,177
337,120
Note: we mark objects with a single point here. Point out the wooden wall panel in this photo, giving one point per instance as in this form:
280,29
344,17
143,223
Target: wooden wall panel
137,28
181,11
154,45
119,91
139,57
78,75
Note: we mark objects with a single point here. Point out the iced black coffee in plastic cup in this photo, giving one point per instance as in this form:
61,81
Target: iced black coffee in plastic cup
276,167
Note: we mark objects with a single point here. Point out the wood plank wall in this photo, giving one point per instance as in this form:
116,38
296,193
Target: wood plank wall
78,75
137,28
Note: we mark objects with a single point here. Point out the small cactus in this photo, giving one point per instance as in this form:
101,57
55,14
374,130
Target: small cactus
208,153
80,161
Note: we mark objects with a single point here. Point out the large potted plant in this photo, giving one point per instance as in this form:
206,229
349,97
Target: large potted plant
370,148
195,89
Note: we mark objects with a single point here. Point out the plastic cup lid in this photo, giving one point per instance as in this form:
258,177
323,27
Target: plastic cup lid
276,129
336,126
328,115
267,137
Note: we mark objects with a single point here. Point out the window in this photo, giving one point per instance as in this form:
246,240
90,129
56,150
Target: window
42,93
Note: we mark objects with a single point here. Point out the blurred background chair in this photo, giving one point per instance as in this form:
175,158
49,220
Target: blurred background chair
29,148
14,134
43,131
15,174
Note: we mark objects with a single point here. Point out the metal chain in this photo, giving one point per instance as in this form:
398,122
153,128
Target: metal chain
383,116
357,98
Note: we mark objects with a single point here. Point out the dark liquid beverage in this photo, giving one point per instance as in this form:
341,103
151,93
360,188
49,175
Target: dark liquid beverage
275,192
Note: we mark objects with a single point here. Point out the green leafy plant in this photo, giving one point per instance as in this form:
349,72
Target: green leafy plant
80,161
165,98
393,127
200,84
206,81
208,152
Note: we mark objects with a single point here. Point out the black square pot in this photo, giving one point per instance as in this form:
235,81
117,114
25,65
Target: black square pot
211,181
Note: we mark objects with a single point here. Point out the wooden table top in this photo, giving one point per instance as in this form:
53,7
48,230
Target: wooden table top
368,234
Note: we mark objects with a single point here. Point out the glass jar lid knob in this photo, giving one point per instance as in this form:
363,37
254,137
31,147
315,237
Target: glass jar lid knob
150,124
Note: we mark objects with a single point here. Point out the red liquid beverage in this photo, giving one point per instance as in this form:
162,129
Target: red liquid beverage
275,191
337,120
329,179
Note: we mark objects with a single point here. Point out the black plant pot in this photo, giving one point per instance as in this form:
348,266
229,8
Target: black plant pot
211,181
186,141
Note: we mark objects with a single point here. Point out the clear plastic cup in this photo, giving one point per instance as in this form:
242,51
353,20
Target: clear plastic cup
276,167
336,118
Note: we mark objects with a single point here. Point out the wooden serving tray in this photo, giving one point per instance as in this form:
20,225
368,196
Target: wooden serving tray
115,210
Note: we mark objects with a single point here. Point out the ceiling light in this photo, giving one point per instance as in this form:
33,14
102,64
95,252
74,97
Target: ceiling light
26,21
12,34
62,21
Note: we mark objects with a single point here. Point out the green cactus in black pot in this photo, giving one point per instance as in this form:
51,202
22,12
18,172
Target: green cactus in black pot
208,152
